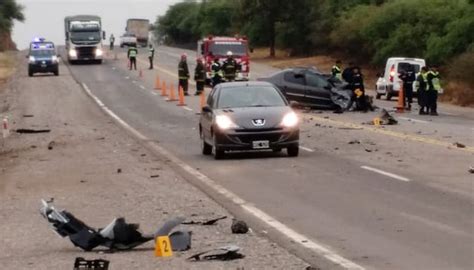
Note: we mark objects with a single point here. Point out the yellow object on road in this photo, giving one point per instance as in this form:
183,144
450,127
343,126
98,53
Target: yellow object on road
163,247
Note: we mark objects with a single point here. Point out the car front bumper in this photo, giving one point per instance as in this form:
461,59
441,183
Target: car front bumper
39,67
244,139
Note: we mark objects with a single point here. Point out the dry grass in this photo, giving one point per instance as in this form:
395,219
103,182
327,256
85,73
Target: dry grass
6,67
459,93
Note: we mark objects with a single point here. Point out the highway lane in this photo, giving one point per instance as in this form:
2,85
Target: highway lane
372,219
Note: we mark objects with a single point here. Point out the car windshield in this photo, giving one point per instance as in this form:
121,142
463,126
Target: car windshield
250,96
85,36
221,48
403,66
42,53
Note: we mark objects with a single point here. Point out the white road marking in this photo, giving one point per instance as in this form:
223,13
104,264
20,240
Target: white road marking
142,87
296,237
187,108
307,149
127,78
414,120
154,93
134,81
437,225
114,68
394,176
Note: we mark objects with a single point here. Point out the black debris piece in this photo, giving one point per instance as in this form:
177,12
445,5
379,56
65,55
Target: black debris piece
32,131
119,170
83,264
51,145
28,115
239,227
204,222
459,145
155,176
227,253
312,268
354,142
471,169
386,118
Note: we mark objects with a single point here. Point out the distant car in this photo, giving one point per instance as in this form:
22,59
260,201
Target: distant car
248,116
310,87
128,40
389,83
42,58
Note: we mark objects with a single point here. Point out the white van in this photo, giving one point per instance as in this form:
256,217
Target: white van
389,83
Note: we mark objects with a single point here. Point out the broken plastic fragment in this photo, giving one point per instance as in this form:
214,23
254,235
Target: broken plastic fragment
204,222
226,253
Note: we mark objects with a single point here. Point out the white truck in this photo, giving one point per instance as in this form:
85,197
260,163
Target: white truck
140,28
84,37
128,40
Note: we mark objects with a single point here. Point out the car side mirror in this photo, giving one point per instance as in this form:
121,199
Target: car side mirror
294,104
206,109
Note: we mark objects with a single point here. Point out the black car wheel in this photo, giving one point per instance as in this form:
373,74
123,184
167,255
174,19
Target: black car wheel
388,96
205,147
30,73
378,96
218,153
293,150
56,72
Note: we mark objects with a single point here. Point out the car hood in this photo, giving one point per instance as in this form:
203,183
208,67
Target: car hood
246,117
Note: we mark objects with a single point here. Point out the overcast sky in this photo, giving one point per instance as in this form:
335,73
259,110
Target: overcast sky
45,18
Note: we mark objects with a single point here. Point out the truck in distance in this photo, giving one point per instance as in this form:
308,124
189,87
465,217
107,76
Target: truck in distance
140,28
84,37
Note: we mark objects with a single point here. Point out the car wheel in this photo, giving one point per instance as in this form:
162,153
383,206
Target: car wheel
293,151
388,96
378,96
56,72
205,147
218,153
30,73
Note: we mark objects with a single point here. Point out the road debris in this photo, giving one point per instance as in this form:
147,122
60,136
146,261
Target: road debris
83,264
155,176
385,118
471,169
226,253
205,222
354,142
459,145
118,235
32,131
28,115
119,170
239,227
51,145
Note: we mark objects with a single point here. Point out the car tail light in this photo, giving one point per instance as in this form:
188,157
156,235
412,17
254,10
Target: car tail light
392,73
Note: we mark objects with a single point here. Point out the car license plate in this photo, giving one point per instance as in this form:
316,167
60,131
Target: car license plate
43,66
261,144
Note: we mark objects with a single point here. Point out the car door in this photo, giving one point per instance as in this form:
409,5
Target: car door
207,115
293,86
317,90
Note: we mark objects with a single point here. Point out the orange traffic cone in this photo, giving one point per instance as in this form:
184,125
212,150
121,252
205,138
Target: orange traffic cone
172,95
203,99
401,101
163,90
157,82
181,97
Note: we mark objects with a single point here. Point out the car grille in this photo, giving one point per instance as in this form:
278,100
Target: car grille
86,52
249,138
258,130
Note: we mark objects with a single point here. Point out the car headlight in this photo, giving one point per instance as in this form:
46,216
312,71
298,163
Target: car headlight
54,58
98,52
31,59
224,122
290,120
72,53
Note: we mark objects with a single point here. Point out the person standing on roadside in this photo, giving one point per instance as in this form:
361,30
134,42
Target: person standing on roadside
347,74
408,77
183,74
337,70
132,56
434,86
112,41
230,67
422,82
151,55
199,77
216,72
358,88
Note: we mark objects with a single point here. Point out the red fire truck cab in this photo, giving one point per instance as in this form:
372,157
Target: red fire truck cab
211,48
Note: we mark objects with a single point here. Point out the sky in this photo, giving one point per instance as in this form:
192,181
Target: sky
45,18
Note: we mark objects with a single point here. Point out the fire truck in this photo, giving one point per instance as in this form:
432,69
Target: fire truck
210,48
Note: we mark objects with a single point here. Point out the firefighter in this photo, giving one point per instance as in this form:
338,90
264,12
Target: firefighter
433,87
112,41
216,72
408,77
230,67
199,77
132,56
183,74
421,83
336,70
151,55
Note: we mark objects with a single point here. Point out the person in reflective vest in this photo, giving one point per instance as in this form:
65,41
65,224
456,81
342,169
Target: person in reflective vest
216,72
337,71
199,76
421,83
408,76
151,55
230,67
183,74
132,56
434,87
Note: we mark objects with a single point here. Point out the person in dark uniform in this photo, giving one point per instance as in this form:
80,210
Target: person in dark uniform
199,77
408,77
348,73
358,88
216,71
434,86
422,84
151,55
230,68
132,56
183,74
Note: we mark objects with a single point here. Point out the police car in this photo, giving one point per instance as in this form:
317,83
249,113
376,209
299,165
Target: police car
42,58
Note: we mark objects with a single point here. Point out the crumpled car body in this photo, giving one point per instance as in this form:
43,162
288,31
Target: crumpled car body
310,87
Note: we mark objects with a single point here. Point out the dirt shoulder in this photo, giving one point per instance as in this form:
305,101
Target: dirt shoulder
98,173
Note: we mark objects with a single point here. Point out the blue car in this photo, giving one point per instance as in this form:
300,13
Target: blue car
42,58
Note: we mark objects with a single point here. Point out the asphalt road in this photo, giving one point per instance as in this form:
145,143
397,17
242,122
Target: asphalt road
386,218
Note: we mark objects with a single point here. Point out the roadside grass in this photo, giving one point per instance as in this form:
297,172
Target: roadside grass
7,67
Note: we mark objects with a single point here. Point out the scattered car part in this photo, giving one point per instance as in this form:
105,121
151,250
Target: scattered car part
32,131
226,253
205,222
239,227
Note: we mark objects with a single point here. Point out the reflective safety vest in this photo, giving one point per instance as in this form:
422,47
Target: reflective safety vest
336,72
151,52
421,76
435,80
132,52
216,69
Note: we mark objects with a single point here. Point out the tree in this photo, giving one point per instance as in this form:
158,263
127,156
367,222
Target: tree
9,11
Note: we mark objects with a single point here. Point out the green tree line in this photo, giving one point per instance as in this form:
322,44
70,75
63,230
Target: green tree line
9,11
437,30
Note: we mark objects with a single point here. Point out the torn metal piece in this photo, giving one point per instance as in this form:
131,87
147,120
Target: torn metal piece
205,222
83,264
32,131
386,118
169,226
180,240
226,253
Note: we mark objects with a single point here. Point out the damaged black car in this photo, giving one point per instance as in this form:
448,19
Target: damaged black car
310,87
